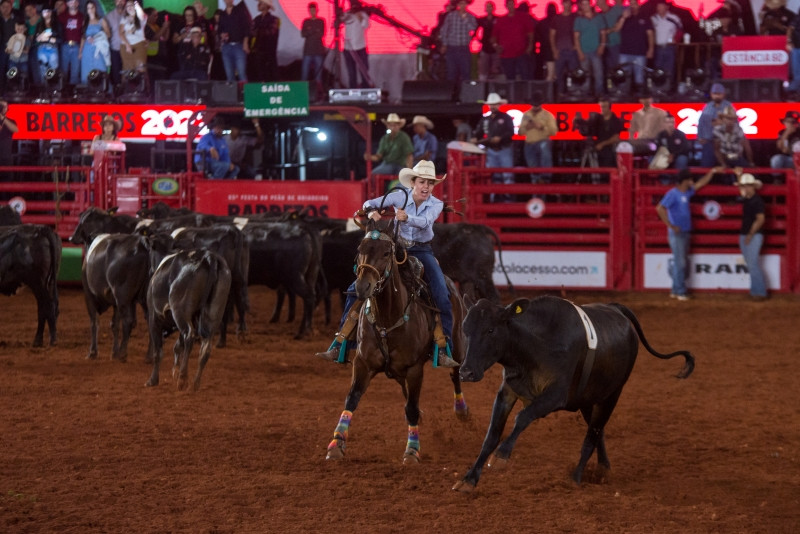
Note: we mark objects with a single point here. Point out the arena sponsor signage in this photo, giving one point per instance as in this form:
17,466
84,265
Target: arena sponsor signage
338,200
710,271
279,99
536,268
82,121
759,120
756,57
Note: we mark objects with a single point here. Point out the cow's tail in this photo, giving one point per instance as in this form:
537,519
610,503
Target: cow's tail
496,239
209,315
51,281
689,365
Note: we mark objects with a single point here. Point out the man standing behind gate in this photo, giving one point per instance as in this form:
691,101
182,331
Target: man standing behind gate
674,211
495,131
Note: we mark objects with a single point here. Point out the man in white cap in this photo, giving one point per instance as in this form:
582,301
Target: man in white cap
425,143
495,131
417,212
707,121
395,149
751,237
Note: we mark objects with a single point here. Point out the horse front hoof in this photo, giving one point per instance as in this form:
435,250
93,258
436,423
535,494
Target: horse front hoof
335,453
36,343
463,486
463,415
91,356
411,457
150,383
497,463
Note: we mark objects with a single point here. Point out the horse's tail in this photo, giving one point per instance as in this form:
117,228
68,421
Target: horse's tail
688,366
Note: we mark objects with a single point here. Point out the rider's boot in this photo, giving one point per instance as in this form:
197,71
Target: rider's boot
345,338
442,348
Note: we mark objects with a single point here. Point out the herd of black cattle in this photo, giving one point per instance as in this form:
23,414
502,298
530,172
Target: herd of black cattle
124,264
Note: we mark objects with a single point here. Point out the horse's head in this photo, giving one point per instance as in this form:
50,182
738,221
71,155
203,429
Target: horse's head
376,257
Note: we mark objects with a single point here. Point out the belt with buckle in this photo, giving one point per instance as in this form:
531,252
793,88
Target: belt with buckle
72,43
408,244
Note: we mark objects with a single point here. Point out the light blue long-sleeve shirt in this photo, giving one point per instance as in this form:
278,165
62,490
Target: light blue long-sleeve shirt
419,226
705,130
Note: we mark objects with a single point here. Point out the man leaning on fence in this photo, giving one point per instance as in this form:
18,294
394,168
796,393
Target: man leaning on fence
495,132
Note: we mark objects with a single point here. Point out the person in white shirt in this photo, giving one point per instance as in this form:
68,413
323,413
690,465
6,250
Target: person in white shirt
666,26
356,22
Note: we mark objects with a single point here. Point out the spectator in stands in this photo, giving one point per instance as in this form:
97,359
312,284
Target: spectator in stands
793,44
612,15
7,129
17,49
646,123
673,142
356,23
524,11
241,146
495,133
666,27
157,35
133,45
603,130
7,31
264,47
463,130
775,18
71,21
425,143
488,59
675,212
182,27
234,32
562,43
590,43
313,30
707,121
456,33
215,40
637,42
113,19
47,39
726,29
731,146
787,137
95,52
513,40
395,149
110,129
751,237
213,156
538,126
32,19
193,57
541,36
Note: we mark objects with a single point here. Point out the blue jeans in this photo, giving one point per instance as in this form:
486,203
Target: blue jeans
311,68
611,58
679,244
235,61
387,168
47,56
708,158
539,155
221,169
433,277
500,158
458,61
594,64
357,63
665,60
781,161
567,61
70,64
795,69
636,65
752,255
516,65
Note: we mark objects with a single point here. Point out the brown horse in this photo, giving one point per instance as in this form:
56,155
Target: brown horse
395,335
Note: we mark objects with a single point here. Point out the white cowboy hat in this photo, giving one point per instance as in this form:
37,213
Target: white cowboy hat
422,119
424,169
394,118
494,98
748,179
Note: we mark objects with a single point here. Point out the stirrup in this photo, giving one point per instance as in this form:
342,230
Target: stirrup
443,359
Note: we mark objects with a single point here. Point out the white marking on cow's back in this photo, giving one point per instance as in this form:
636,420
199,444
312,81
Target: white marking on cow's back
166,258
94,244
591,334
144,223
240,222
175,233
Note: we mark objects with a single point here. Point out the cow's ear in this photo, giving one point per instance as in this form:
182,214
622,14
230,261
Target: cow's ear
469,302
515,308
113,210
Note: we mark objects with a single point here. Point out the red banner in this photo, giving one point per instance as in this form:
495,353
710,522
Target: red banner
338,200
756,57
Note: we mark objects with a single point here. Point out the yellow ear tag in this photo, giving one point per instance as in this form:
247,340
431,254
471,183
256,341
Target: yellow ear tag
518,310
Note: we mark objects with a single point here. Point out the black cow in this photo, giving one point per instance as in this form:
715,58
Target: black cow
160,210
229,243
30,254
95,221
555,356
187,292
115,273
9,216
286,255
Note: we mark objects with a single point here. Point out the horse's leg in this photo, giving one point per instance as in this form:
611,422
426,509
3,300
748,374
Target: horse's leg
361,378
414,385
459,404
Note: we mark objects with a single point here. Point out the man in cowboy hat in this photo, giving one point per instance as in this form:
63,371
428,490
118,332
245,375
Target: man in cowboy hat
395,149
731,146
495,132
787,137
750,236
425,143
418,210
673,210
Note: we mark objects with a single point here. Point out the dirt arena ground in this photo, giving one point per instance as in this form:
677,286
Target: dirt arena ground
87,448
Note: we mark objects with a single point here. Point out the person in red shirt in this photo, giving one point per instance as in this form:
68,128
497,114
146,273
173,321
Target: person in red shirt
71,20
513,39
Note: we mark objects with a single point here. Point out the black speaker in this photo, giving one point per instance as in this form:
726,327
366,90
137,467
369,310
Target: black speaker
168,92
521,91
762,90
197,91
224,93
472,92
428,91
504,89
731,89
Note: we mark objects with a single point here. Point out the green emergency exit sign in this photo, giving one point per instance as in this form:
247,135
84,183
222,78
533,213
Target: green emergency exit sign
276,99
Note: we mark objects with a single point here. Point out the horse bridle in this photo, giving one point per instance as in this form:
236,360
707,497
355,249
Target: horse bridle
377,234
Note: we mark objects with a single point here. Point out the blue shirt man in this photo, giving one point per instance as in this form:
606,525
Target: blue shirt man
425,143
675,212
213,156
707,121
